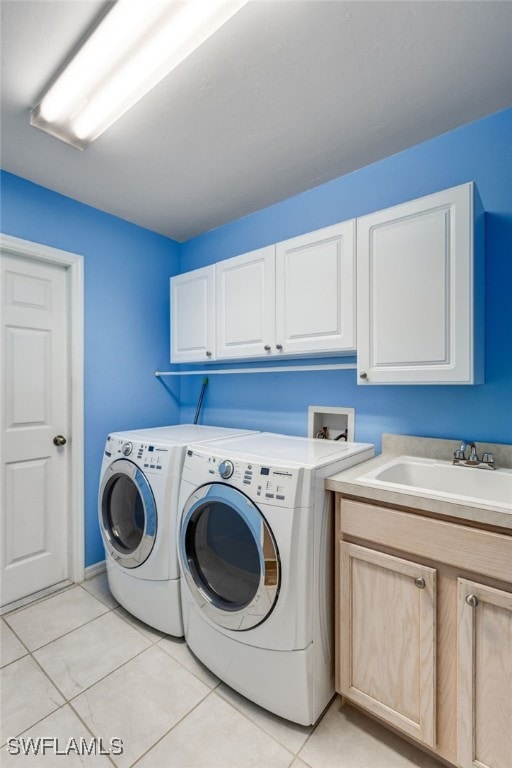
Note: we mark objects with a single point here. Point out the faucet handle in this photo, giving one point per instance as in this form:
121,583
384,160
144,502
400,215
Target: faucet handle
488,458
459,455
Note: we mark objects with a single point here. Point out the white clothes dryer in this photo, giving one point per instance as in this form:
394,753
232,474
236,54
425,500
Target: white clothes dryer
138,514
256,554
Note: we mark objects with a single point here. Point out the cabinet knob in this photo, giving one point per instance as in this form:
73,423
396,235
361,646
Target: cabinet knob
267,347
363,375
472,600
208,353
420,582
279,347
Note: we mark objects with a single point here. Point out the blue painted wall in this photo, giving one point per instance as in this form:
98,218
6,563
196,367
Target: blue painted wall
127,272
480,152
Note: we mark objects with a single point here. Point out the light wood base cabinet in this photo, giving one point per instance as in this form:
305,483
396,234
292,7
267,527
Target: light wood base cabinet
424,629
388,615
484,676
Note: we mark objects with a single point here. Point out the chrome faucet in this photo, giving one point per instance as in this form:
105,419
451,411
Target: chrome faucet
459,457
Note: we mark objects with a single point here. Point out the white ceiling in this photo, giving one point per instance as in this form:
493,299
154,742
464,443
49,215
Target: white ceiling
287,95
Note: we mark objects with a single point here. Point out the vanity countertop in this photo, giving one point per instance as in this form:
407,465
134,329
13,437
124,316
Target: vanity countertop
349,483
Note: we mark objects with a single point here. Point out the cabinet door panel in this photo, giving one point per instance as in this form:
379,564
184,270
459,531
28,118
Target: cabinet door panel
192,316
409,280
415,298
387,637
485,677
245,297
315,291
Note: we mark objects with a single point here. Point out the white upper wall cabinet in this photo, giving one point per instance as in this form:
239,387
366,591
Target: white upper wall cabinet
245,304
193,316
315,291
420,296
420,286
297,297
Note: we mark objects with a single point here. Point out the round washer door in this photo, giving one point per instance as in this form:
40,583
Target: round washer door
229,557
128,514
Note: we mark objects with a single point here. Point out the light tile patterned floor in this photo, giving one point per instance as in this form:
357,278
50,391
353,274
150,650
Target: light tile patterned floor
77,666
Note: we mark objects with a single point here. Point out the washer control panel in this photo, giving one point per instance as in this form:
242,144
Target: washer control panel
261,482
145,455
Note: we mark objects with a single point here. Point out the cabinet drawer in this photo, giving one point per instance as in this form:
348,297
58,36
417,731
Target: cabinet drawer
460,546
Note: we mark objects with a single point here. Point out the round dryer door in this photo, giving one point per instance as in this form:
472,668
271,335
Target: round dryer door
127,513
229,557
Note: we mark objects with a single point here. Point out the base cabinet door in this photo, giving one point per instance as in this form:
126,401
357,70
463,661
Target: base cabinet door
484,676
387,638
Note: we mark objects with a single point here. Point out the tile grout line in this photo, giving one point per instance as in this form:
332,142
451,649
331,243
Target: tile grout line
186,668
181,719
77,714
40,599
294,754
315,726
108,609
70,631
154,643
20,640
58,689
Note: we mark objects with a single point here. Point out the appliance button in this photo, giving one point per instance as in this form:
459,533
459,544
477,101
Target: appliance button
226,469
127,449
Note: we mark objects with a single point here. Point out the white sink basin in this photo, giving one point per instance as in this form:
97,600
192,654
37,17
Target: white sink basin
444,480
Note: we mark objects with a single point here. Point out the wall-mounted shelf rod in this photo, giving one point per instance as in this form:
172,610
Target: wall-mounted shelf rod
281,369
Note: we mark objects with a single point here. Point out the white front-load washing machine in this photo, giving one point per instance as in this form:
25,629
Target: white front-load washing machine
138,514
256,554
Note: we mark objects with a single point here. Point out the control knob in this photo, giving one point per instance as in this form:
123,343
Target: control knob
127,449
226,469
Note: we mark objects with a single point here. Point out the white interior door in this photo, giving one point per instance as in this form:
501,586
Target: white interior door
34,411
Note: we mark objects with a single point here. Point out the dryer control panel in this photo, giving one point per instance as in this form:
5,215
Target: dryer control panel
263,483
145,455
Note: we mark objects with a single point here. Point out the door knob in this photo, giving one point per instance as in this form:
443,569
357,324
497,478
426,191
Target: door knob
59,440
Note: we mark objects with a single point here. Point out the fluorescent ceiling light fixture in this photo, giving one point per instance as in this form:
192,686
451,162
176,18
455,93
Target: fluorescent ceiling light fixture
134,47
